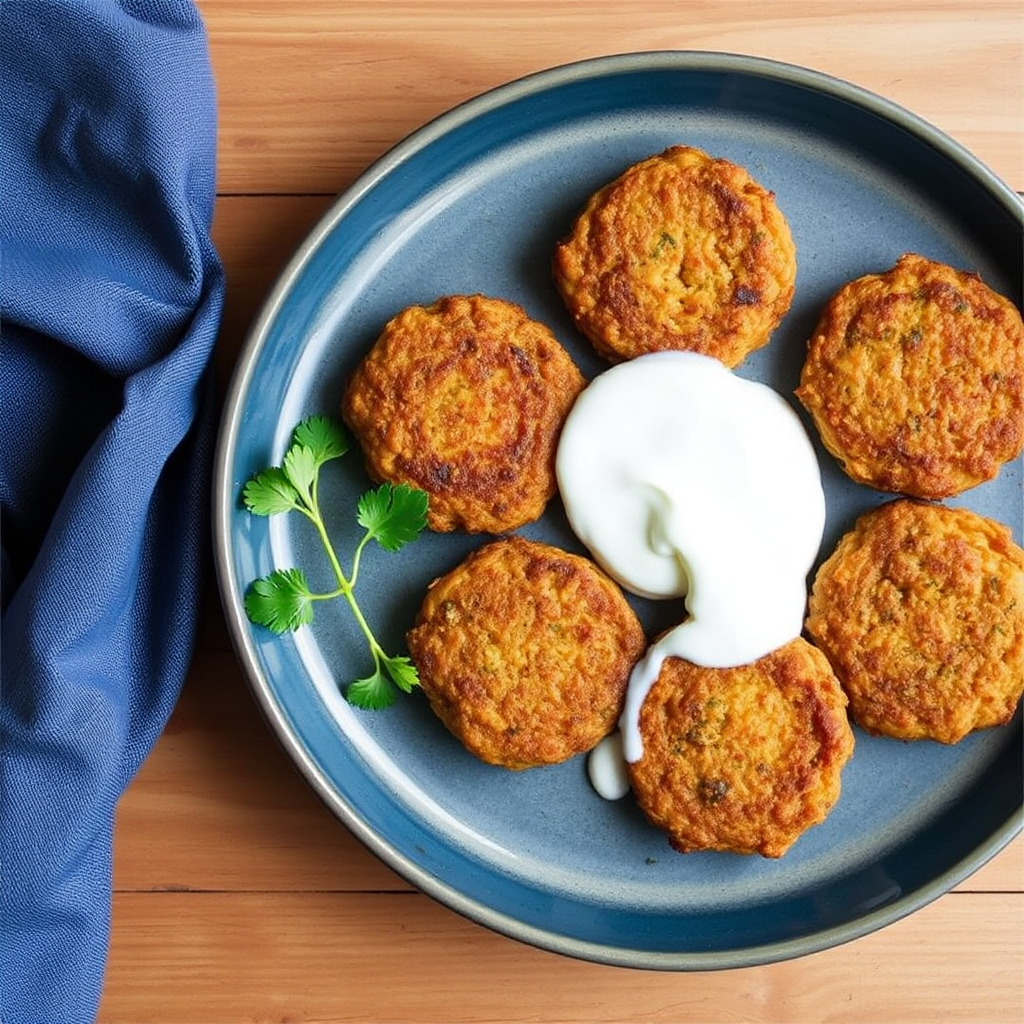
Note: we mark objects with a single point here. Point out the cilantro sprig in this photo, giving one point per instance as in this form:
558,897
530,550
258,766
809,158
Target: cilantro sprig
391,515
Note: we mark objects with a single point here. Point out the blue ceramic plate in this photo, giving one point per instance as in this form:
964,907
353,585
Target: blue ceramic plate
474,202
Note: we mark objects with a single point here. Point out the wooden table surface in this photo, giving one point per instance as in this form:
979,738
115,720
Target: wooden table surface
238,897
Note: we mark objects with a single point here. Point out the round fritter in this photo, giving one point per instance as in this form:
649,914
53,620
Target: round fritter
915,379
743,759
465,399
682,251
920,610
524,652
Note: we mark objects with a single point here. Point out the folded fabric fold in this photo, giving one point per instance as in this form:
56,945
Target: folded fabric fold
110,299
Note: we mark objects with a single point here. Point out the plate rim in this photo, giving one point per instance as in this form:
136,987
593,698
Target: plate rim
224,500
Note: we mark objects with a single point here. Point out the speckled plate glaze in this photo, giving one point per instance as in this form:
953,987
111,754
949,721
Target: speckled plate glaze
473,202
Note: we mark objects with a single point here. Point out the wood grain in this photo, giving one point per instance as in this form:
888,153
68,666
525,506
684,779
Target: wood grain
256,236
400,958
238,896
312,92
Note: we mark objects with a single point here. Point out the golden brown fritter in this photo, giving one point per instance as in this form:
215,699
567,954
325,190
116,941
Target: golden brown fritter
524,652
465,400
920,610
743,759
915,379
682,251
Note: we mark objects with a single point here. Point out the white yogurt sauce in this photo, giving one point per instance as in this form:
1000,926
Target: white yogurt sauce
684,479
606,768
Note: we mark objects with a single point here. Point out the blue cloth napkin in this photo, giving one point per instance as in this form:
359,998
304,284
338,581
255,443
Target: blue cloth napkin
111,294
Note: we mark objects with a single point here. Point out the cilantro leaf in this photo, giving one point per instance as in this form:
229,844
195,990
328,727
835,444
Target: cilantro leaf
314,441
269,492
374,693
300,467
324,437
280,601
393,515
403,672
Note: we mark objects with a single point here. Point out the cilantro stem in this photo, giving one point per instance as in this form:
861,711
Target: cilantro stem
356,558
313,514
346,584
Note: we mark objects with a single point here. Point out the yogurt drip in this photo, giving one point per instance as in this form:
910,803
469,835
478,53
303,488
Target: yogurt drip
686,480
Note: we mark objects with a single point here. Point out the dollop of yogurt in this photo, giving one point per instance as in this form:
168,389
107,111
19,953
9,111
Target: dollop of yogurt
684,479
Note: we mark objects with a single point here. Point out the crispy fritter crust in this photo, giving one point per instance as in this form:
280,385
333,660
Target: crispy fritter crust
915,379
920,610
682,251
743,759
465,399
524,652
